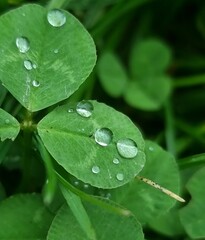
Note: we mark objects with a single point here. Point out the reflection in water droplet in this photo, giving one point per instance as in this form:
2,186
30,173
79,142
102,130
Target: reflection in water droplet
56,18
28,64
7,121
35,83
116,161
103,136
55,51
22,44
84,108
120,176
127,148
95,169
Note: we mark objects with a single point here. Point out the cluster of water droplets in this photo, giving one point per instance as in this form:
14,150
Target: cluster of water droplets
56,18
126,147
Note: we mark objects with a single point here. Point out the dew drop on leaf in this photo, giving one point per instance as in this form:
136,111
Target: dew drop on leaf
120,176
28,64
7,121
103,136
95,169
56,18
34,66
84,108
55,51
76,183
70,110
35,83
151,149
86,186
127,148
116,161
22,44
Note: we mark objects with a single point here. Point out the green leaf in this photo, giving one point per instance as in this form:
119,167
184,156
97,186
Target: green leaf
107,225
9,126
78,210
191,215
112,74
149,57
24,217
63,57
143,200
148,93
69,137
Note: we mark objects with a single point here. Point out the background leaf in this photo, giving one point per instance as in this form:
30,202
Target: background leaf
143,200
107,225
9,126
70,139
112,74
192,216
24,217
61,58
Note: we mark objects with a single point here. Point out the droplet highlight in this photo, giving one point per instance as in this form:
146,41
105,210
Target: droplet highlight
22,44
70,110
95,169
56,18
35,83
151,149
84,108
127,148
55,51
116,161
120,176
28,64
7,121
103,136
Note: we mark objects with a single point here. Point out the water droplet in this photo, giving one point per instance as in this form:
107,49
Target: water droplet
120,176
22,44
56,18
86,186
70,110
116,161
76,183
108,195
28,64
84,108
103,136
151,149
7,121
95,169
35,83
34,66
55,51
127,148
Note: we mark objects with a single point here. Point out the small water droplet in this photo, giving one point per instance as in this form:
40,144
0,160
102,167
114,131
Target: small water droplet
151,149
127,148
95,169
84,108
103,136
35,83
7,121
28,64
86,186
34,66
76,183
116,161
120,176
70,110
55,51
56,18
22,44
108,195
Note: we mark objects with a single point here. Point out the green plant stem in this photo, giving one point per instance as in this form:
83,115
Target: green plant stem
93,199
190,161
57,4
169,128
118,11
189,81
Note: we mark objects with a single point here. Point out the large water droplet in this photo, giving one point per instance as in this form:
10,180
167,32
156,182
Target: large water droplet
127,148
28,64
103,136
84,108
22,44
56,18
120,176
116,161
35,83
95,169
